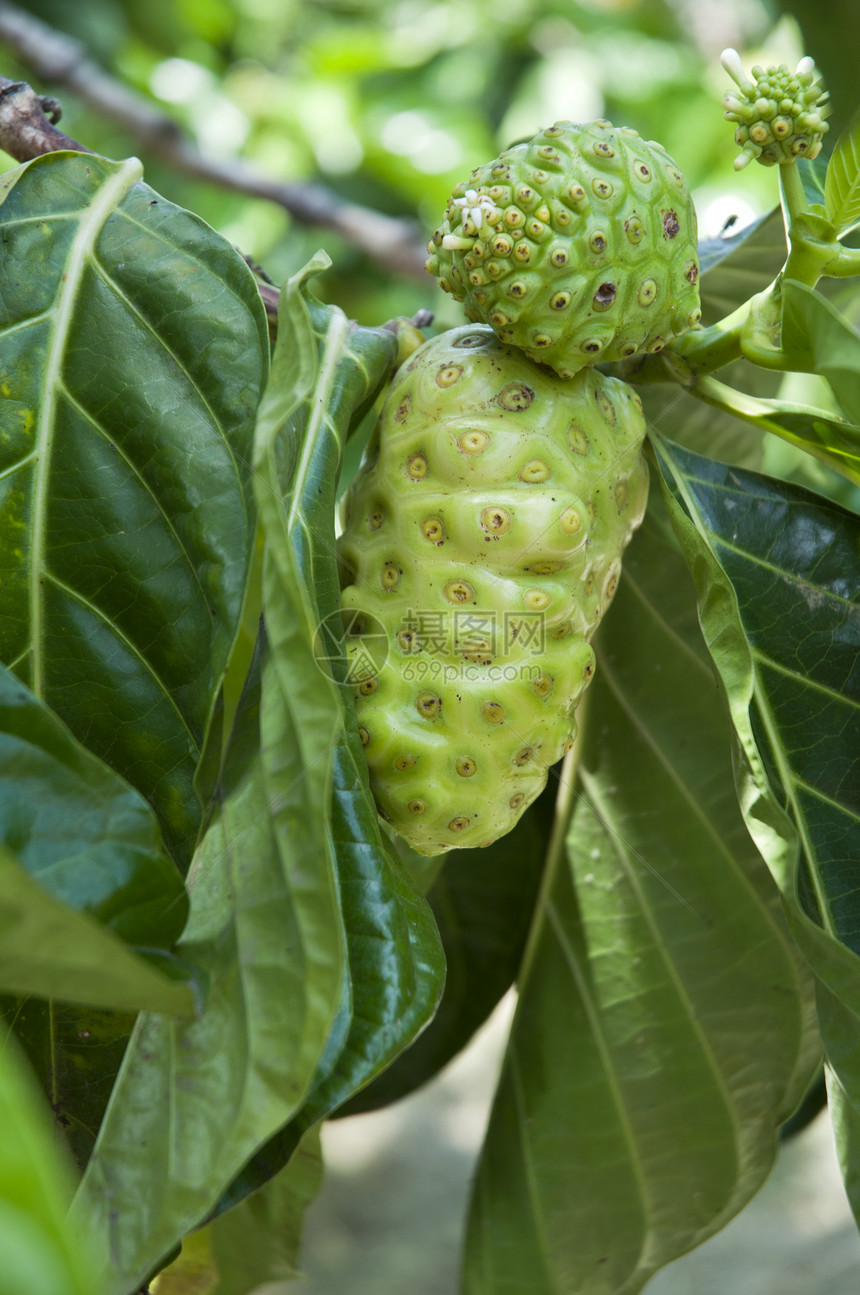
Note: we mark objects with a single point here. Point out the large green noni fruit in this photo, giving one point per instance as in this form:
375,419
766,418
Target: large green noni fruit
484,534
577,246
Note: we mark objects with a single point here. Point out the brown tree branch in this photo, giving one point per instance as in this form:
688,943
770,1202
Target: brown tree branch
62,61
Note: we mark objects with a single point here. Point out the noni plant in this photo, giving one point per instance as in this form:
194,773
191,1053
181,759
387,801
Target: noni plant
328,714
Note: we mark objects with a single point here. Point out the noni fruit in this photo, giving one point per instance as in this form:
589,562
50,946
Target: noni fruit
576,247
780,115
483,534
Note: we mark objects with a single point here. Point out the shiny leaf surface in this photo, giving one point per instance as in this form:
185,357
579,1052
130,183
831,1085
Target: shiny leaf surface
132,353
663,1028
778,574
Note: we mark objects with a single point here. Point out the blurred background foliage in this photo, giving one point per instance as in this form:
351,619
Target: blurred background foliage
389,102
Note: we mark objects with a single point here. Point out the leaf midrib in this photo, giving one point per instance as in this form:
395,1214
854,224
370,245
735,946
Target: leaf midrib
91,223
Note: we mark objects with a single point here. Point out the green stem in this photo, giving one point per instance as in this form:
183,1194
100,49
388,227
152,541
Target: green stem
793,198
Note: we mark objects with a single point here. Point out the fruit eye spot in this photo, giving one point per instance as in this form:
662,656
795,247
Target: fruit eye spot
364,736
428,705
602,149
473,442
367,687
592,346
416,807
576,193
518,289
498,319
597,242
604,296
523,755
622,494
433,530
502,245
496,520
493,712
671,225
465,766
588,670
694,317
376,519
408,641
459,824
559,258
417,467
560,631
571,521
606,407
548,152
541,340
602,188
568,746
515,397
634,229
534,471
562,218
647,293
544,568
404,762
523,253
560,301
390,576
535,228
458,591
517,800
536,600
449,373
403,410
514,218
642,171
525,195
542,686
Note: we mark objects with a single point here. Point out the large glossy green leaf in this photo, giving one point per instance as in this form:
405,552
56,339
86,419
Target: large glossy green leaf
279,916
86,836
778,574
40,1252
395,965
133,349
663,1028
482,901
192,1102
55,952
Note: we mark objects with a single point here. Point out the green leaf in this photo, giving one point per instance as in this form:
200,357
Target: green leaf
40,1251
663,1028
274,913
133,348
821,340
482,901
49,949
84,835
842,184
395,963
192,1102
259,1240
777,571
831,439
735,268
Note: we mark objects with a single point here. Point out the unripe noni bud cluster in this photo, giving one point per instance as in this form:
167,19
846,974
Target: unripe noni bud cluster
780,114
484,535
578,246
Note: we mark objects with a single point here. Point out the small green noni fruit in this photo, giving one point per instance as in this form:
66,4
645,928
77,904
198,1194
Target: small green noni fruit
576,247
484,534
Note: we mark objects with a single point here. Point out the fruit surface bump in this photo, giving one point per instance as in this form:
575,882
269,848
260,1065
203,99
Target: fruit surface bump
484,532
578,246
